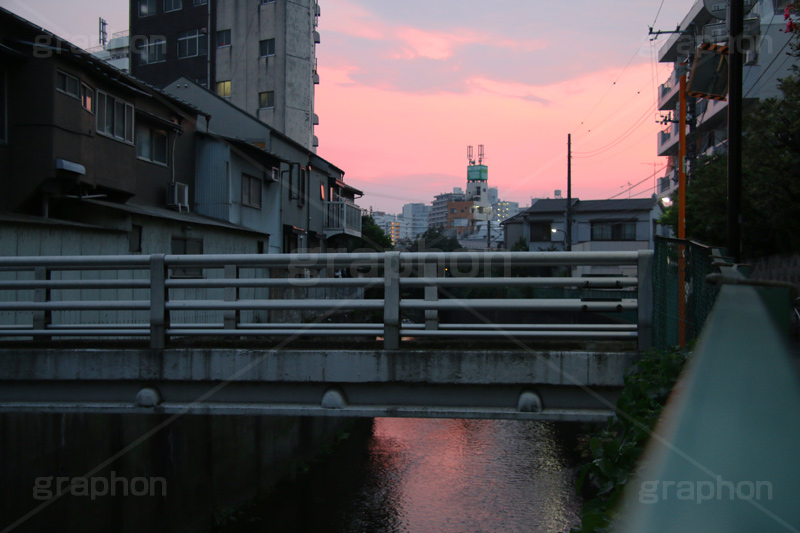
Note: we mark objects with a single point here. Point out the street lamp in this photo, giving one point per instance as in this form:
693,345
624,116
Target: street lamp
555,230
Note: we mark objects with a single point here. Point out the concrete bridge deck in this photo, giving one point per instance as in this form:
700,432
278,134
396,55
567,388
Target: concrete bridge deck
450,383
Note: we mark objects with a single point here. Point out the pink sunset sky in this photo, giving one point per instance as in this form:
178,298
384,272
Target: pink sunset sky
405,87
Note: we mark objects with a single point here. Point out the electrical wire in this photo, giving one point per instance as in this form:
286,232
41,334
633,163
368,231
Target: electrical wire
755,84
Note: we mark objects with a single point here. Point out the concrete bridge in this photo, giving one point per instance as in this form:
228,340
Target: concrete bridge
394,334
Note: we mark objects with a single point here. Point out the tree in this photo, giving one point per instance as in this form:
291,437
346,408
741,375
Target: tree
372,237
770,181
435,239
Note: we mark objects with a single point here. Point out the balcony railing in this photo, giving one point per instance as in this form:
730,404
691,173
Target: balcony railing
342,217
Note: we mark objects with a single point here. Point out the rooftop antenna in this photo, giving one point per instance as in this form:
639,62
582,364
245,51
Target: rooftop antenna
480,154
103,33
470,157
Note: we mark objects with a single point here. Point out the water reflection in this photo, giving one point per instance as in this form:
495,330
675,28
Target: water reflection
431,475
463,475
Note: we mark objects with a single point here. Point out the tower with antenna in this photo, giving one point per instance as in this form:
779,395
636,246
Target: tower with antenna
477,177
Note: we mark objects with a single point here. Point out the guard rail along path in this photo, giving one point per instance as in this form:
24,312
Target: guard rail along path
166,297
214,334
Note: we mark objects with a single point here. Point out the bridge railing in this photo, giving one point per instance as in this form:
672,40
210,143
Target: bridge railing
390,296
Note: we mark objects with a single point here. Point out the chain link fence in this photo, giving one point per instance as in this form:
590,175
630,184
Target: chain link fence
699,296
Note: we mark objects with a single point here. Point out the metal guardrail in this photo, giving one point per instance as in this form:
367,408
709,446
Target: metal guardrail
42,288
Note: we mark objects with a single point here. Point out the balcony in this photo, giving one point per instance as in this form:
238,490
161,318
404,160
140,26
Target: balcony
668,140
342,217
668,93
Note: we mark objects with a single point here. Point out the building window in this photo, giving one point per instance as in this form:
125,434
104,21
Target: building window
151,144
114,117
187,246
251,191
322,192
154,51
224,89
267,1
3,106
68,84
614,231
199,2
267,47
301,196
540,232
223,38
191,44
266,99
135,239
172,5
87,98
147,8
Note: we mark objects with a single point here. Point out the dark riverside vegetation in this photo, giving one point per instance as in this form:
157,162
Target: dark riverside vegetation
613,451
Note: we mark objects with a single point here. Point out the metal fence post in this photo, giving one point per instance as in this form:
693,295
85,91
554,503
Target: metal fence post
158,299
391,301
231,316
44,317
431,270
644,273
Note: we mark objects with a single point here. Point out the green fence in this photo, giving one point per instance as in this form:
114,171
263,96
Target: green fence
699,295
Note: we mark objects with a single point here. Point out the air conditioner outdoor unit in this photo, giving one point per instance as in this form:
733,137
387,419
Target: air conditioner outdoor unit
178,196
750,57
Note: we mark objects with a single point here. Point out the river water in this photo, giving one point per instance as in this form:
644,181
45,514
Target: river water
431,475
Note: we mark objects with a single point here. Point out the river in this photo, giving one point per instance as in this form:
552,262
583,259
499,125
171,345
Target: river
430,475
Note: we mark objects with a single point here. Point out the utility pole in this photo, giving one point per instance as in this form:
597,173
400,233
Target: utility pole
736,29
568,233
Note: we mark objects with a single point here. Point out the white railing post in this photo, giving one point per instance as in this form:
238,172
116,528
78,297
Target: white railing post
391,301
231,316
644,273
158,300
431,270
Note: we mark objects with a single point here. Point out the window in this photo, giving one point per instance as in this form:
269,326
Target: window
187,246
151,144
114,117
199,2
172,5
154,51
87,98
267,47
540,232
3,106
147,8
223,38
224,89
135,238
68,84
322,191
267,1
251,191
192,43
266,99
614,231
301,199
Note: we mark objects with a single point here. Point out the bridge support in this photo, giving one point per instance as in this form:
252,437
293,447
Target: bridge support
391,301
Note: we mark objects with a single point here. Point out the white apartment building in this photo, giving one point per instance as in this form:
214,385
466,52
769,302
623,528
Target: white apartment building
765,63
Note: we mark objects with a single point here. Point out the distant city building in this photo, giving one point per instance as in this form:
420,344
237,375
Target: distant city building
438,214
414,220
259,54
116,52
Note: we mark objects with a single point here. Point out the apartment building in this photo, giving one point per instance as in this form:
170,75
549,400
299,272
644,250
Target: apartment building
766,62
258,54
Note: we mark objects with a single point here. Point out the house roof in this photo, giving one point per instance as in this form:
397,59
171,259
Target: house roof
558,207
169,214
244,114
